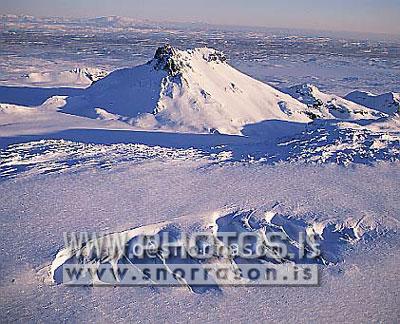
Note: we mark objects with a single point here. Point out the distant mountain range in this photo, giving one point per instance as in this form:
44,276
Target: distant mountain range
129,22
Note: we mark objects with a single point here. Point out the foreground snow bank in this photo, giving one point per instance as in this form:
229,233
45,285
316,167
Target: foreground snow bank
37,211
333,240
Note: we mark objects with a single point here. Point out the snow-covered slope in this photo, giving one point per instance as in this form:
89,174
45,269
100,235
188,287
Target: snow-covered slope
193,90
82,77
330,106
16,120
388,103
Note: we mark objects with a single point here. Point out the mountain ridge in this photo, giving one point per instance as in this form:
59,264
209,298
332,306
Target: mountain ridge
191,91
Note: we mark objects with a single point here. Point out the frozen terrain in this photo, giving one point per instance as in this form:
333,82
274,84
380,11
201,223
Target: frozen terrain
388,103
338,63
117,137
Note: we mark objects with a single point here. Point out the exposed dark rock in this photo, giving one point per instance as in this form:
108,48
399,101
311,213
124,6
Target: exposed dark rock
166,59
311,115
215,57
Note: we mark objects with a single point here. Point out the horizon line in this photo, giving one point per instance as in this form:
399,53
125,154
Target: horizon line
211,24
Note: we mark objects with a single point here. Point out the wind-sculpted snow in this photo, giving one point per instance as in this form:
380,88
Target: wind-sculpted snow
337,145
342,143
116,248
58,156
333,241
320,143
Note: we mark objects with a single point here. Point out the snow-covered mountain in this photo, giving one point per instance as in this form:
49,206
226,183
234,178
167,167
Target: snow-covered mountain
194,90
388,103
330,106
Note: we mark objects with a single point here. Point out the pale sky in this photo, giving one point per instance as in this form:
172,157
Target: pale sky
379,16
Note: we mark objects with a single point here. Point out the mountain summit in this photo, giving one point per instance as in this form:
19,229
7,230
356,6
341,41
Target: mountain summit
194,90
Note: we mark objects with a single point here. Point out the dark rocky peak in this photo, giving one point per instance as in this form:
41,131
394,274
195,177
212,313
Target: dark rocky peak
167,58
